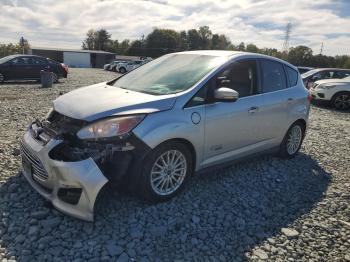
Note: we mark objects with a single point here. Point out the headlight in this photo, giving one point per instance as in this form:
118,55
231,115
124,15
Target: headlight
325,86
110,127
49,113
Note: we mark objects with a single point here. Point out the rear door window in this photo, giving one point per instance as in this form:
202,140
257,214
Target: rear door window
273,77
292,76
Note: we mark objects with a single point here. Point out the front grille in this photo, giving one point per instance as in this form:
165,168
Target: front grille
38,170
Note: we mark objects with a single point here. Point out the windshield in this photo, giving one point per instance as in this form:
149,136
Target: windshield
309,73
169,74
6,58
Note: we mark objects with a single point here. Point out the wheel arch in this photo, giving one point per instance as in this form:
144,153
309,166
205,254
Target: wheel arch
339,92
188,144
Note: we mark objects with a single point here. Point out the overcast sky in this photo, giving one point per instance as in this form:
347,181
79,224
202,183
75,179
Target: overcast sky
63,23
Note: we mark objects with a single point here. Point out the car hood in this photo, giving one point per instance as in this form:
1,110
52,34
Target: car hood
329,81
102,100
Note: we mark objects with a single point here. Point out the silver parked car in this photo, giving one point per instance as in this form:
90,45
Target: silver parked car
155,126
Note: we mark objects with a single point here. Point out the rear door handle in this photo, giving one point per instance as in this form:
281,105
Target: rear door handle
253,110
290,100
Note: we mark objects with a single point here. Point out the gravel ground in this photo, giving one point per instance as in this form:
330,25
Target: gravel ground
264,209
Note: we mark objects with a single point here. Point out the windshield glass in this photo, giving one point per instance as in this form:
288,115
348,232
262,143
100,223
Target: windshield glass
169,74
309,73
6,58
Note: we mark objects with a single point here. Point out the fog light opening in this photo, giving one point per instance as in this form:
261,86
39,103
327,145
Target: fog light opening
70,195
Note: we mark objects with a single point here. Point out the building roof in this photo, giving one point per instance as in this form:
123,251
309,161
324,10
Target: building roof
72,50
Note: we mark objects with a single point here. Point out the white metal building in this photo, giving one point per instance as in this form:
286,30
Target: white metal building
75,57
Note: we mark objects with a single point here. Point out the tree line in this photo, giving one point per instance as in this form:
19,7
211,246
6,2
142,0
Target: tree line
163,41
11,49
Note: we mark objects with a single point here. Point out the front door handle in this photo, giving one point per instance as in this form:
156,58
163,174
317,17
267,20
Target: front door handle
290,100
253,109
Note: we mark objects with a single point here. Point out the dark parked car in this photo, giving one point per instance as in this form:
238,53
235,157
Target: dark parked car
28,67
323,73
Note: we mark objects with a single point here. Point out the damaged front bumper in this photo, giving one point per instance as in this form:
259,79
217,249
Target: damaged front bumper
72,187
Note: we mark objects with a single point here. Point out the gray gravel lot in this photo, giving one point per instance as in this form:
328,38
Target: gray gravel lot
263,209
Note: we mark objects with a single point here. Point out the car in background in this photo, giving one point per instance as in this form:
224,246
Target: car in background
152,128
28,67
128,66
106,66
304,69
113,65
335,91
323,73
131,65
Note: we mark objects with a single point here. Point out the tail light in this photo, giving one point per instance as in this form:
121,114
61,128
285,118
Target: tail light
309,96
65,67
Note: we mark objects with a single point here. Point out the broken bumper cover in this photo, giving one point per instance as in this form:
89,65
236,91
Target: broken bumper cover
72,187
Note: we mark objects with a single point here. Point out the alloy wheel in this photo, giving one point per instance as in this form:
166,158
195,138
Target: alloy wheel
168,172
342,102
54,78
294,139
1,78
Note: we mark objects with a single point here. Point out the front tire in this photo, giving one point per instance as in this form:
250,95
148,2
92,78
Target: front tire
292,141
54,78
2,78
166,171
122,70
341,101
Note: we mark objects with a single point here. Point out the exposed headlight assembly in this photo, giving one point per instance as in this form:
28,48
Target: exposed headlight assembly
111,127
325,86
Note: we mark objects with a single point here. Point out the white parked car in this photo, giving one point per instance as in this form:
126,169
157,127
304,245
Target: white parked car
336,91
128,66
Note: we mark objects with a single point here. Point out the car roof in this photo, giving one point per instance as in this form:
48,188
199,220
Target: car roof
231,54
331,68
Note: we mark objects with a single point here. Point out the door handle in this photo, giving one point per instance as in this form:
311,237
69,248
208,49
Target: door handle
253,110
290,100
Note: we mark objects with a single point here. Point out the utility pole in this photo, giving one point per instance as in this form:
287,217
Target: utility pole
287,32
321,49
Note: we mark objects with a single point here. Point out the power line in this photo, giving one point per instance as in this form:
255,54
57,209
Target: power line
287,32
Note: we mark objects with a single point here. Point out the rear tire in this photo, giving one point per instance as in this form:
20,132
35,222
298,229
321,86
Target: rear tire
2,78
292,141
341,101
54,78
166,170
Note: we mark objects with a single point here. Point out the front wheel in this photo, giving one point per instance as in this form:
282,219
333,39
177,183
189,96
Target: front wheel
166,171
2,78
54,78
292,141
341,101
122,70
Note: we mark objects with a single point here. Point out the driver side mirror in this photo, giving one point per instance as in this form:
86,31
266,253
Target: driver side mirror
224,94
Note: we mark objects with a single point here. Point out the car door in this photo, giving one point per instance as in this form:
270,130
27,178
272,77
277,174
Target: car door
18,68
232,128
277,98
38,65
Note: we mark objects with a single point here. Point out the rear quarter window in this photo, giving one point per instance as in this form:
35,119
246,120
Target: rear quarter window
292,76
273,76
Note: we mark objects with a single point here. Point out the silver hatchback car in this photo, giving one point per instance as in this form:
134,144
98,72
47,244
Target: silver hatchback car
155,126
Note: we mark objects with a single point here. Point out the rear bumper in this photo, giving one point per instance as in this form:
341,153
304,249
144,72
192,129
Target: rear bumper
53,179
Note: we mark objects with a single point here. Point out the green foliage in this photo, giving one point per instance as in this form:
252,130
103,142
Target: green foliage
97,40
12,49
